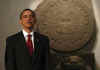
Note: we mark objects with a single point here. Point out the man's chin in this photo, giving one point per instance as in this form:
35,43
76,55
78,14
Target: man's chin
29,26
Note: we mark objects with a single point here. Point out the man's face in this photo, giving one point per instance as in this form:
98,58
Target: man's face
27,19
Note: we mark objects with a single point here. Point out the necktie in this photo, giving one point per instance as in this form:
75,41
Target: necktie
29,44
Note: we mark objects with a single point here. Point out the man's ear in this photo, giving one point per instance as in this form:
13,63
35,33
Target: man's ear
20,21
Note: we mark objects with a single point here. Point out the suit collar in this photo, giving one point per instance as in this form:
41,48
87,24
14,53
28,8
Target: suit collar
37,43
21,36
36,40
26,34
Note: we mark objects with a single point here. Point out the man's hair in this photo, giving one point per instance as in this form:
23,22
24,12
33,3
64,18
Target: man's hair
33,12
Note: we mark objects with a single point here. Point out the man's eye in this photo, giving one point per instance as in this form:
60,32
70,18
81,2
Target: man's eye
25,16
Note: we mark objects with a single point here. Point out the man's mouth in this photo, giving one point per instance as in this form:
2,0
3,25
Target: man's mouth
29,22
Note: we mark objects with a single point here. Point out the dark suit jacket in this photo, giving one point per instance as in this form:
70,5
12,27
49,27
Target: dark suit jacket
17,56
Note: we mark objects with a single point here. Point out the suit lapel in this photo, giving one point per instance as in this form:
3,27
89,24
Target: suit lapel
22,42
36,41
22,39
37,48
36,44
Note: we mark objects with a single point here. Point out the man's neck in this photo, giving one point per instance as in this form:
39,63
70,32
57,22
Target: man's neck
28,30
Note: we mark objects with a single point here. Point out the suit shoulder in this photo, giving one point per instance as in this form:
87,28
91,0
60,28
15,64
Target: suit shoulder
12,37
42,36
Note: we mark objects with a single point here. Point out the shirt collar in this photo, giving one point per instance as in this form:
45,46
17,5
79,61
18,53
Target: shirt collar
25,33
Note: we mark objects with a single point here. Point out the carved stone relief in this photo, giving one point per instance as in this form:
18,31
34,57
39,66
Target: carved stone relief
68,23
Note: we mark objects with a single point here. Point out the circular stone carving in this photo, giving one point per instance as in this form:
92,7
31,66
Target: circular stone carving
68,23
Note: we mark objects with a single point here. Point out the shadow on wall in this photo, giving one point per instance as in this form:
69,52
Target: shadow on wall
90,45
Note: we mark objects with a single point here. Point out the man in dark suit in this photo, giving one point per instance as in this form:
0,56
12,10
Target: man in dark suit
27,50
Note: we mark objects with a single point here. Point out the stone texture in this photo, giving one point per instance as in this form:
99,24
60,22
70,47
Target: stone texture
68,23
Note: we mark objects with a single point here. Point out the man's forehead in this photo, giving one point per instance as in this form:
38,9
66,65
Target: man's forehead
27,12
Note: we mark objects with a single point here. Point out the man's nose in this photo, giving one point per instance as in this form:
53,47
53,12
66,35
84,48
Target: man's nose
29,18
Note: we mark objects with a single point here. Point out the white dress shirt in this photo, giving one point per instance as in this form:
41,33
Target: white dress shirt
26,36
